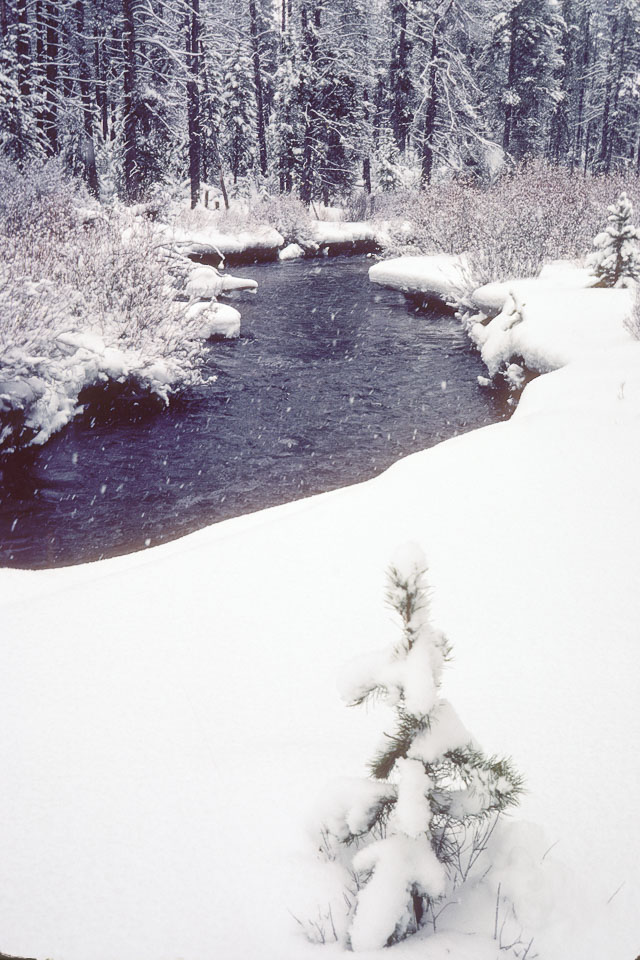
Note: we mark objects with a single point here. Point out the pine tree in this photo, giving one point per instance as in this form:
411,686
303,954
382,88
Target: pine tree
530,37
616,257
420,824
239,112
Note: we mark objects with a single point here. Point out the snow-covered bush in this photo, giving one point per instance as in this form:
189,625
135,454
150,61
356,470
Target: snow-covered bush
413,833
534,214
284,212
615,260
84,300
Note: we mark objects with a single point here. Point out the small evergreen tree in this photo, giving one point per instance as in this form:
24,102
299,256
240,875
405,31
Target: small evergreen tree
419,826
616,259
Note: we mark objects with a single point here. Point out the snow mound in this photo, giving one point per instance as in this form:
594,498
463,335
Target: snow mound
293,251
216,319
550,328
208,283
440,276
557,275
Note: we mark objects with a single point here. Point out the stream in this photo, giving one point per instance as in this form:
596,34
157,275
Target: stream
332,380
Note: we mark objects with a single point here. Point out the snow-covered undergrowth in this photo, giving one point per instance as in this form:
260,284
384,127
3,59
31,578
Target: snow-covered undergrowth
167,762
86,299
267,228
510,228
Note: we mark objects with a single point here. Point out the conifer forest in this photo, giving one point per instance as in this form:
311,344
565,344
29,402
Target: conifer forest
317,97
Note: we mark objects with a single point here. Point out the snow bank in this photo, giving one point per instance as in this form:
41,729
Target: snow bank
549,328
264,242
170,718
344,233
260,242
440,277
491,298
40,394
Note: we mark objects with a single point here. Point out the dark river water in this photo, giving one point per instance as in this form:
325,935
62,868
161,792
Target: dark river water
332,380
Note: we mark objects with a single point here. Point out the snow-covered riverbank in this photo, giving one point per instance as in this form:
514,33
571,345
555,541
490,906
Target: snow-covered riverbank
43,384
522,326
171,717
207,241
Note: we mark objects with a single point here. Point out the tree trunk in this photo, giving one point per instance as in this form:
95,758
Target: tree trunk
101,83
579,138
129,80
310,53
22,49
257,78
430,113
398,70
52,44
511,76
90,171
606,111
193,101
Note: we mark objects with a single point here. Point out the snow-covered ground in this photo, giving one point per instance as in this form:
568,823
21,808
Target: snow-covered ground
265,242
440,276
171,725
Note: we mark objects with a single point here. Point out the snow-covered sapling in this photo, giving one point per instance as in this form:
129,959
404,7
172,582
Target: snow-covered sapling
415,829
615,260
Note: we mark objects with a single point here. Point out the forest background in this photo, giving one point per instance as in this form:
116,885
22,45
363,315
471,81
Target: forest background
317,97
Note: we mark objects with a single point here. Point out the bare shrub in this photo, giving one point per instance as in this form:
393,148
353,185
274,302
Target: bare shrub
533,214
284,212
83,299
633,322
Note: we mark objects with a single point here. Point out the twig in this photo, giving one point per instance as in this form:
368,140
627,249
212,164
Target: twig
616,892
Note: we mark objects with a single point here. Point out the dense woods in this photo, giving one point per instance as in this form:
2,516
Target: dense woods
317,97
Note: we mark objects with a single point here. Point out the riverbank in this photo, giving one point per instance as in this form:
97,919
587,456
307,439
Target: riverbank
172,750
525,326
126,304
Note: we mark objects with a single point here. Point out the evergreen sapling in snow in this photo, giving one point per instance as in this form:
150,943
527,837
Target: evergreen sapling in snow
616,259
415,830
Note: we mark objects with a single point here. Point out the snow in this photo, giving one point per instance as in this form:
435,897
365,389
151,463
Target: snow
412,811
398,863
216,319
603,381
325,233
550,328
557,275
446,732
440,276
170,718
207,282
209,239
293,251
45,388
